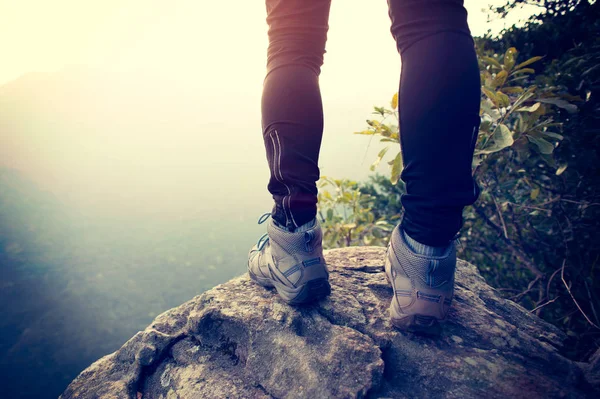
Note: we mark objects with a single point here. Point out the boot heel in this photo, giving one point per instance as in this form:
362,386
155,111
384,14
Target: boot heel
312,291
419,324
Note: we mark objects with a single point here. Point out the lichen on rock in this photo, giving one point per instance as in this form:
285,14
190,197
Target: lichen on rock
239,340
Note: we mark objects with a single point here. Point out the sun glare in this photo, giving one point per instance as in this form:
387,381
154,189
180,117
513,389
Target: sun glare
136,98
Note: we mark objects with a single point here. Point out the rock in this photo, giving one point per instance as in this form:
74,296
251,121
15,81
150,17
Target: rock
239,340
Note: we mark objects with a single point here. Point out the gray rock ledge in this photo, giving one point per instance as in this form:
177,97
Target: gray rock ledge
239,340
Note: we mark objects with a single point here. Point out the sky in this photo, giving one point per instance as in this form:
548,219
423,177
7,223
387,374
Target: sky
169,36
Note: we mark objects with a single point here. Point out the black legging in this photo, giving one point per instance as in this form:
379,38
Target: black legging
438,104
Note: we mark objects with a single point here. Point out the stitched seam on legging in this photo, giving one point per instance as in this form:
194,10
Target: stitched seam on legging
289,196
473,144
275,173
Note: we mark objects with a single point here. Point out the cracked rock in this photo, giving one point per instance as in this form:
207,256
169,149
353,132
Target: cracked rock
239,340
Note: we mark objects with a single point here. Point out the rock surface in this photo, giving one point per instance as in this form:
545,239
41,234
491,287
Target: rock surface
238,340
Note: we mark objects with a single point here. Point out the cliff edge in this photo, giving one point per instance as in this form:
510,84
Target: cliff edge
239,340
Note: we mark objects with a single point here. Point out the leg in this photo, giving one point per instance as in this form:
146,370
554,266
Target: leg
292,111
290,256
439,118
439,115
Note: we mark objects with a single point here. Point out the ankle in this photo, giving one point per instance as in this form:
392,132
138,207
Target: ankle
300,229
306,226
423,249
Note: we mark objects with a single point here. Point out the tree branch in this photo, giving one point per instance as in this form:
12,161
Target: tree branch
509,244
562,276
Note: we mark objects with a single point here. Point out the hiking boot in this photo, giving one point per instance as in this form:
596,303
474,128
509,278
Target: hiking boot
423,285
293,263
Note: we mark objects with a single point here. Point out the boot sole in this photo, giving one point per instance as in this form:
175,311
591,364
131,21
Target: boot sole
262,281
416,323
312,291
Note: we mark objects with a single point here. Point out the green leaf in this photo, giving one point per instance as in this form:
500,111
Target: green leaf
491,61
486,78
379,110
500,79
553,135
370,217
524,70
394,102
385,130
549,159
528,62
561,169
543,146
513,90
532,108
570,108
509,58
523,97
573,60
379,158
485,126
382,152
534,193
486,108
514,79
590,70
491,95
503,99
396,168
502,138
521,124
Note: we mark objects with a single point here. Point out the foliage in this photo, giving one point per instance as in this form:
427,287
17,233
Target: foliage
385,196
390,133
347,217
552,7
549,34
565,231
